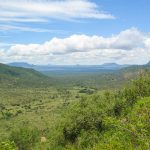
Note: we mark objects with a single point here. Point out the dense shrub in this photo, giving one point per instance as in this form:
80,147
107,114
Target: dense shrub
8,145
118,107
25,138
142,85
7,114
130,95
87,122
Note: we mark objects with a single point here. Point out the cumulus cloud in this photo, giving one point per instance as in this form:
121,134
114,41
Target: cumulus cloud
43,10
129,46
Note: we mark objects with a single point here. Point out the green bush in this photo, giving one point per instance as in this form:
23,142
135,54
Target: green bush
142,85
7,114
25,138
8,145
118,107
81,120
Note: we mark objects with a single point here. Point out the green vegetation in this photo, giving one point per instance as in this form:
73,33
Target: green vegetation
97,80
21,77
76,116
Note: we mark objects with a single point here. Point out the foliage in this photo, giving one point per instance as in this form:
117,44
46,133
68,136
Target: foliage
21,77
8,145
24,138
108,115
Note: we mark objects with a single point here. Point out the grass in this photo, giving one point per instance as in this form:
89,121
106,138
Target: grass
37,107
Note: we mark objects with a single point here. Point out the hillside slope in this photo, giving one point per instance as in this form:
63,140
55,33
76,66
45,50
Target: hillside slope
17,76
132,72
129,132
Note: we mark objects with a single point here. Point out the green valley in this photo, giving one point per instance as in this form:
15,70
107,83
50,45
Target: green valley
75,112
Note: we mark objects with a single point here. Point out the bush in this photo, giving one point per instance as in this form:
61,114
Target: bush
8,145
142,85
87,140
130,95
25,138
7,114
119,106
85,121
86,91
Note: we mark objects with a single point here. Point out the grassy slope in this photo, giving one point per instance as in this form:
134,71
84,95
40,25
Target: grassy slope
15,76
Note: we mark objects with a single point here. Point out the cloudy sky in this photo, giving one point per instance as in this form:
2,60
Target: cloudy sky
75,31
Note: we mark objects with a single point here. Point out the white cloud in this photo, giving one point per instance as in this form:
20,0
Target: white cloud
24,20
4,27
2,45
129,46
43,10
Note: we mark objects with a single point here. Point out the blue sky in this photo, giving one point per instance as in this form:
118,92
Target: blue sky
85,31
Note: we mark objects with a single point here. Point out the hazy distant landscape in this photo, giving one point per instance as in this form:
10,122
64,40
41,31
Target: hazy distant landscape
74,75
60,69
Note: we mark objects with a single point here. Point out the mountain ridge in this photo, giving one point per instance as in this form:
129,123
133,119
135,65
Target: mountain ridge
70,68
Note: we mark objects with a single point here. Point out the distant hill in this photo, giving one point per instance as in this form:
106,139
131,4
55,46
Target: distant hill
148,63
132,72
135,68
17,76
107,67
40,68
21,64
113,66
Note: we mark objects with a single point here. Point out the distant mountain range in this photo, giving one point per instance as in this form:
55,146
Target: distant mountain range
70,68
26,75
21,64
